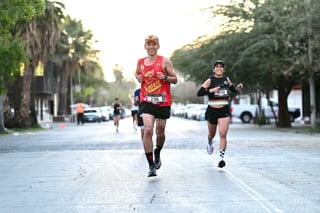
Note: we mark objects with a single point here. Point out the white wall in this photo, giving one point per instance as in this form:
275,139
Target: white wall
294,99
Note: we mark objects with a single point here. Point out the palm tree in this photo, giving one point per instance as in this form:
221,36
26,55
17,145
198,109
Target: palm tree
11,51
40,36
72,51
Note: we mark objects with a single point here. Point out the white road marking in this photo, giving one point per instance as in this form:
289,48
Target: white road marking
263,202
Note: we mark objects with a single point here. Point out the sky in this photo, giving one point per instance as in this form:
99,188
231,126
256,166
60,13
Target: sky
120,27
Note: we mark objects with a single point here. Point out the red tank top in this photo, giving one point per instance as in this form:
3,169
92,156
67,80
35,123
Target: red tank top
153,89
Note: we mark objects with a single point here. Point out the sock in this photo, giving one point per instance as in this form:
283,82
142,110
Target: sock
222,151
149,156
210,142
158,149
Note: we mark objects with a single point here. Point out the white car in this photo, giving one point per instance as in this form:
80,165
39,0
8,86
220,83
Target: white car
92,114
189,110
106,113
200,112
246,112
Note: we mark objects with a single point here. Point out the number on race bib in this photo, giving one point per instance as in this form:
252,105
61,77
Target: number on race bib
222,92
156,98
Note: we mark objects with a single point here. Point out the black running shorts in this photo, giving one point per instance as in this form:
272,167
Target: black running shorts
134,112
213,114
161,112
140,121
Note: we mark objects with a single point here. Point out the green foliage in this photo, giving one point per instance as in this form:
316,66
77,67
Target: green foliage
12,55
194,61
75,58
13,13
18,11
266,45
121,88
92,83
263,42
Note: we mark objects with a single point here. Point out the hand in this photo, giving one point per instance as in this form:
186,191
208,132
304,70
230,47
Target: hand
139,78
161,76
214,89
239,86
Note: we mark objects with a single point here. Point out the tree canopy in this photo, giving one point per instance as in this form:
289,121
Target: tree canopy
34,32
13,13
263,43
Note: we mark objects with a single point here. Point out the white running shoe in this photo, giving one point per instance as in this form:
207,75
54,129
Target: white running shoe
210,149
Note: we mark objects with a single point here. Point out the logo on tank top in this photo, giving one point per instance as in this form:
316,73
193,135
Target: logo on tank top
149,74
154,86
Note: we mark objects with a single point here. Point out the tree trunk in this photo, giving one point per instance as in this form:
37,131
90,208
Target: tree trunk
283,114
63,91
22,117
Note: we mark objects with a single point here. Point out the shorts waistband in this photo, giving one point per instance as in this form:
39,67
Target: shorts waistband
217,103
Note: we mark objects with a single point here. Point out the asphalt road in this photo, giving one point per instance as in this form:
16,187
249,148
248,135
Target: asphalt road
91,168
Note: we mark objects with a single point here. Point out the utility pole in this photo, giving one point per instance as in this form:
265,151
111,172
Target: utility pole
2,128
313,107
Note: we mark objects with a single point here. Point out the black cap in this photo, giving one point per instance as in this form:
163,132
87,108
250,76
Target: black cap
218,62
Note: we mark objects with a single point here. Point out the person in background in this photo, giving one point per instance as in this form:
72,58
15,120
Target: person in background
217,88
80,112
139,117
134,109
156,74
117,107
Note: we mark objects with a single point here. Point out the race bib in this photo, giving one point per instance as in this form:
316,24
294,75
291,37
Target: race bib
221,93
156,98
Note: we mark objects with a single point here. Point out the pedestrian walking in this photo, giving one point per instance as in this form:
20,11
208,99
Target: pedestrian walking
156,74
217,88
80,112
117,107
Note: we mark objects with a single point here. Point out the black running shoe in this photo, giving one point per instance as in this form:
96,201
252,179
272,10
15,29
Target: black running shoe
221,164
152,171
157,160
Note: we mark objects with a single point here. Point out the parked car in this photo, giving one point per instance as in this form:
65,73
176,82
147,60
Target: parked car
110,110
294,111
201,112
125,113
246,112
188,110
105,113
178,111
92,114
